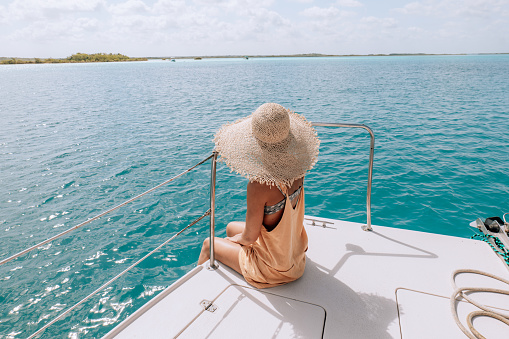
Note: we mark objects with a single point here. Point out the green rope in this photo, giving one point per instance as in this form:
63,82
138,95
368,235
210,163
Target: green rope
500,249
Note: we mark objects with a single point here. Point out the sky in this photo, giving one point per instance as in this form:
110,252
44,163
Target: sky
165,28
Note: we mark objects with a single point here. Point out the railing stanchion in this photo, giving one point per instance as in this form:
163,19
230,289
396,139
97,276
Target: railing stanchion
366,227
370,178
212,264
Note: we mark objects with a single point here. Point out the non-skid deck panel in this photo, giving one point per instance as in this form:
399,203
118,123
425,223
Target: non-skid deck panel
241,312
424,316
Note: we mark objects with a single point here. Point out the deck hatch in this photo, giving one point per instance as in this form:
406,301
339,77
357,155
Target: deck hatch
242,312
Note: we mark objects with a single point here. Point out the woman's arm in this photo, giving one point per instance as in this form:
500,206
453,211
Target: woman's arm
256,197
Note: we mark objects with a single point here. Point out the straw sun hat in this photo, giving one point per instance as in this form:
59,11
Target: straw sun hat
271,146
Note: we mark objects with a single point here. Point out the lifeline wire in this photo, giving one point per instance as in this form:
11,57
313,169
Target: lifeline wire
115,278
100,215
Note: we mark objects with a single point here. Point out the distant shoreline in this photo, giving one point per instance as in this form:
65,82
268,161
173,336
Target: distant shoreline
102,57
75,58
310,55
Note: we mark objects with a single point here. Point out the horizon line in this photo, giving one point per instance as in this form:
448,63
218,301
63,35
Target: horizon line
274,55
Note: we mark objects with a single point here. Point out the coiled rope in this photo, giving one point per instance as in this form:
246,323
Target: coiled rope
101,215
487,312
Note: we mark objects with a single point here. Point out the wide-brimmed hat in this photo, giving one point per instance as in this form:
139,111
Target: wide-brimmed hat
271,146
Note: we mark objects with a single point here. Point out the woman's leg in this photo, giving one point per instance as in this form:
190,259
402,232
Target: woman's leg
226,252
234,228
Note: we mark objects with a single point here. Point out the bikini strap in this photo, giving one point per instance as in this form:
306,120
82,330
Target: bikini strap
280,190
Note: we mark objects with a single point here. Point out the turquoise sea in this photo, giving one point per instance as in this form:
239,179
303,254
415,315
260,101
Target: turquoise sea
77,139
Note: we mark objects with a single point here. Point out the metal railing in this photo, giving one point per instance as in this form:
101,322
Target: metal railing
38,245
212,264
366,227
109,282
6,260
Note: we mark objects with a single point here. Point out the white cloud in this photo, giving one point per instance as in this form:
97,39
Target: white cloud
416,30
327,30
473,24
68,5
234,5
129,7
456,8
184,27
50,21
66,29
138,23
480,9
34,10
380,22
175,23
263,20
349,3
3,14
319,13
414,8
169,6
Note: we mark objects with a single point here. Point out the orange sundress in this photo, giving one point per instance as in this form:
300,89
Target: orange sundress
277,257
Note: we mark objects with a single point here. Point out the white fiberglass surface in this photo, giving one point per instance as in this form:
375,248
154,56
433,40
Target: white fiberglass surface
241,312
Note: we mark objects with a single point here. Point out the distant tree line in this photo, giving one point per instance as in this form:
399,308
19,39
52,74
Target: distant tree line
75,58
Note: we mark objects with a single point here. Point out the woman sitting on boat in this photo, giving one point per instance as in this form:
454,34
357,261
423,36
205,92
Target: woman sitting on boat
273,148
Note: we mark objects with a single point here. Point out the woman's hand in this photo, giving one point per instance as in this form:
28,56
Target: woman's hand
235,238
240,239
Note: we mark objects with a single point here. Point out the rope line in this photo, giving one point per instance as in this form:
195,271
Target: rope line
42,329
100,215
487,312
499,249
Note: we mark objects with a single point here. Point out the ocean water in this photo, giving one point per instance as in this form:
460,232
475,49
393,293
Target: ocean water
77,139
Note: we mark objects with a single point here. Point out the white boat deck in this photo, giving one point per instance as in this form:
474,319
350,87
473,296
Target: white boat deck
388,283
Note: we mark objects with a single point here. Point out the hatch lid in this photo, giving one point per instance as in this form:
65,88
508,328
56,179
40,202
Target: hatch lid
241,312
